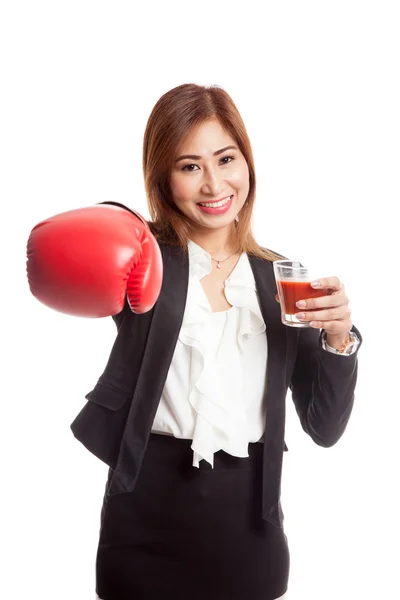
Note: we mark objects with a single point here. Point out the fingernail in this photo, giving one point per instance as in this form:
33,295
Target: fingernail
300,315
316,284
301,303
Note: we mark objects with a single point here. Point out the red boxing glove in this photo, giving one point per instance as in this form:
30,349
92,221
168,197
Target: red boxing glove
84,262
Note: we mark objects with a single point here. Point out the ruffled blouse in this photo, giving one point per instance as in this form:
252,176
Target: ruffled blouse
215,389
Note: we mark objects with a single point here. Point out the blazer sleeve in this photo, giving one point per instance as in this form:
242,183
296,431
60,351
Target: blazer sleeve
322,387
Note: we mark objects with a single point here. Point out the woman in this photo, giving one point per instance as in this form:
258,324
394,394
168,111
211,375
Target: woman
190,410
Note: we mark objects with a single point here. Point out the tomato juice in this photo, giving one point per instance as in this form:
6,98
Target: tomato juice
293,291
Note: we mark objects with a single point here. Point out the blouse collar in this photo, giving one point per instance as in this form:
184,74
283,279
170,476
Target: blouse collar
200,263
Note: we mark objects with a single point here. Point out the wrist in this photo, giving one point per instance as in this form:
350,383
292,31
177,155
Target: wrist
348,346
336,341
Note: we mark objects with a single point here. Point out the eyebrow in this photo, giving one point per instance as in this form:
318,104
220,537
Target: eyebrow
196,157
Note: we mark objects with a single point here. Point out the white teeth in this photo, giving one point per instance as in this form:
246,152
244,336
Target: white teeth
215,204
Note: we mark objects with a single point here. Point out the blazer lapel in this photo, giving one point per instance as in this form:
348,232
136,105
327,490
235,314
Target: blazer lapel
163,335
270,309
275,387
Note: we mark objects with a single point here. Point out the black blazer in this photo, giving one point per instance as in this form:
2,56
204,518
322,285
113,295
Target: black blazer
116,422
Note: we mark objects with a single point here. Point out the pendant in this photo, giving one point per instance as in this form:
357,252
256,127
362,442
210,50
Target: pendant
219,266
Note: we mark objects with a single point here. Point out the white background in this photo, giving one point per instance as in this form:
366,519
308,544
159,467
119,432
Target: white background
317,84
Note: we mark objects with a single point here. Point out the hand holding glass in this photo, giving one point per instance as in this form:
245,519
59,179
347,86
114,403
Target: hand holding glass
293,281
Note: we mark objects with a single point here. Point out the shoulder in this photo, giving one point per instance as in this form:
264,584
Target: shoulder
266,255
275,254
173,257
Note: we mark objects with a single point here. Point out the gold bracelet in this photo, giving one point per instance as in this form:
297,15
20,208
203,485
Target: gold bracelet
347,343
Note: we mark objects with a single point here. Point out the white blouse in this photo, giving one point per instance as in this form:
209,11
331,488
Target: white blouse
215,389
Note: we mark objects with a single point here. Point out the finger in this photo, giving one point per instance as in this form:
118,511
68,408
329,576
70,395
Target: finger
332,314
333,283
333,327
277,298
323,302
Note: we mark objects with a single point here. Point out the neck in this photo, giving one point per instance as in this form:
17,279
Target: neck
217,242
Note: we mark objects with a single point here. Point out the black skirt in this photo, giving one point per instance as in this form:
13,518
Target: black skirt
189,533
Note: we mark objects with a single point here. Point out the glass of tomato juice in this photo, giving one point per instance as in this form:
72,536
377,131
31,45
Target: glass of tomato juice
293,282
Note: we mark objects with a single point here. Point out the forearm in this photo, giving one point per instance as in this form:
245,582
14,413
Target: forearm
323,387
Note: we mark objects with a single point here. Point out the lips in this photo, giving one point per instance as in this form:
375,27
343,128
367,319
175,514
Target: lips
212,203
216,207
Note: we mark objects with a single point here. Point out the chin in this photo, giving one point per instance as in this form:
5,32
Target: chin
222,223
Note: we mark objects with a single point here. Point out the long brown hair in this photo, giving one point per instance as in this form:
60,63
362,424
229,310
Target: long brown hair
175,114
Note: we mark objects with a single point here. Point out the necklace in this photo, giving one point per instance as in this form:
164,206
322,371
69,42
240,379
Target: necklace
219,266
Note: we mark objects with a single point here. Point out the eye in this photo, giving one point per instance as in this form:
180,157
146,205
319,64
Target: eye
227,159
188,168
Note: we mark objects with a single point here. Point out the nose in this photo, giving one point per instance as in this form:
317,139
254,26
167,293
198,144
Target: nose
212,184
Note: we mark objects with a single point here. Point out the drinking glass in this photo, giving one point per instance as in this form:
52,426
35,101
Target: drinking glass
293,281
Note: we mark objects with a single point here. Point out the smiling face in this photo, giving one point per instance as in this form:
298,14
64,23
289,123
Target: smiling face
210,177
